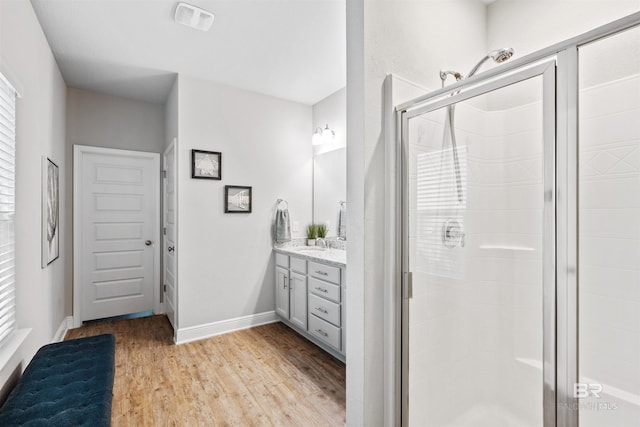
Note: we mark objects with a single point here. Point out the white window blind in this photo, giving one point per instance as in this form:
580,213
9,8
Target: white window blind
7,209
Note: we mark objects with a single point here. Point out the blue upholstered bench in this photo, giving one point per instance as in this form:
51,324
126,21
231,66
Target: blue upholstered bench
68,383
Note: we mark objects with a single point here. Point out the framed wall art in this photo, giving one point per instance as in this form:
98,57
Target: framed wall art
206,164
237,199
50,211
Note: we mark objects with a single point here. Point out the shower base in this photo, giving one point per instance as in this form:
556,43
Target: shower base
490,416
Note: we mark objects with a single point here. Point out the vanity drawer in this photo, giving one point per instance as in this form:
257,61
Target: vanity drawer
324,289
324,272
329,311
298,264
324,331
282,260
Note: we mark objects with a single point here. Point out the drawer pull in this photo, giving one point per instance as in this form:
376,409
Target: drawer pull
321,332
322,310
324,273
322,290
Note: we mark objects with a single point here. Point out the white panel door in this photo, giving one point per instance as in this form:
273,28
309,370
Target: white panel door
117,208
170,232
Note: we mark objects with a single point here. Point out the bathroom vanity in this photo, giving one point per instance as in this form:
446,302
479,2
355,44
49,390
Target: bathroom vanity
310,295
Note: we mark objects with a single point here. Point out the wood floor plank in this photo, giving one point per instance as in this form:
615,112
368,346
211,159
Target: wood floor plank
263,376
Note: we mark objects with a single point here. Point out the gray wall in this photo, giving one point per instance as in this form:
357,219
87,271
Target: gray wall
225,261
171,114
41,294
112,122
528,26
100,120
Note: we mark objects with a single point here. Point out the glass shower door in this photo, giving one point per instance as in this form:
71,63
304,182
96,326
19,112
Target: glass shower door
479,243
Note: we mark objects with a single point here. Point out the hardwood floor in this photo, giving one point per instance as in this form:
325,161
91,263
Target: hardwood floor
267,375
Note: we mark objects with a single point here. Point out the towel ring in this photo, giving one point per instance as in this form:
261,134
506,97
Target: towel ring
280,201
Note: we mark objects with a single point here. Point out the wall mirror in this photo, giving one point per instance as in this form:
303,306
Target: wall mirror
329,188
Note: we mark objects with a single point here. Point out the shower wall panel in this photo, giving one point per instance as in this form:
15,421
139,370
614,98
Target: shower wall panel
509,238
609,274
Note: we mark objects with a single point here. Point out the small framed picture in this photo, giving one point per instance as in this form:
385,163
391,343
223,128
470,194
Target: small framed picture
237,199
206,164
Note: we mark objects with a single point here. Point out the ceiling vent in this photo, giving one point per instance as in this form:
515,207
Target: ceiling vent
193,17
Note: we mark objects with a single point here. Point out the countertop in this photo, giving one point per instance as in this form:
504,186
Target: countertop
335,257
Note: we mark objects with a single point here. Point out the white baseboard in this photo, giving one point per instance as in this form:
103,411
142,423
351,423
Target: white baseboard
194,333
67,323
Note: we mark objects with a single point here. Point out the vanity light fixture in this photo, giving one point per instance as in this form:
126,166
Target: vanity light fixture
316,139
323,136
193,16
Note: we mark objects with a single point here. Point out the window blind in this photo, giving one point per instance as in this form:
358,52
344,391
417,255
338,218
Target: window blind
7,209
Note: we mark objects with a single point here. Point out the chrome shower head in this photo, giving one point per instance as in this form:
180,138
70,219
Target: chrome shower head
499,56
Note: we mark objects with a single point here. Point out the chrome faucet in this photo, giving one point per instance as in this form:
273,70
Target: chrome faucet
321,242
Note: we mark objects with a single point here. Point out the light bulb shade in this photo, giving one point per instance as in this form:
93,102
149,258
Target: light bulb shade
317,139
327,135
323,136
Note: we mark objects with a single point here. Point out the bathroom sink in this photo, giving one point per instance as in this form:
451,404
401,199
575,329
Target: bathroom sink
319,253
311,249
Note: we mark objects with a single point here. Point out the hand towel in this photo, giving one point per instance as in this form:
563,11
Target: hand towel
342,222
283,226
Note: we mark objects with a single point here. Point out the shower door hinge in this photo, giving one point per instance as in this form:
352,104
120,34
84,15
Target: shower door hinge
164,231
407,285
164,174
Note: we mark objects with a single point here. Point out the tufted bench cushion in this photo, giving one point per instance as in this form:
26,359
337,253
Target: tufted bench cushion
68,383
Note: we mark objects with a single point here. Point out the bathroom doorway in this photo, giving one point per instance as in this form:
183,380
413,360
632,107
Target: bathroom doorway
116,232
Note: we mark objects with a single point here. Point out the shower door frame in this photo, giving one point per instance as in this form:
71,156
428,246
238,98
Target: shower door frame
547,70
563,410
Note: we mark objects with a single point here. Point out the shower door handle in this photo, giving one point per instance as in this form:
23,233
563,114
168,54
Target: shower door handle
407,285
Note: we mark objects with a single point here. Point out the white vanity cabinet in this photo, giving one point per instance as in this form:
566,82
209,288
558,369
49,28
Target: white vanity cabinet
291,289
282,292
325,308
298,299
310,297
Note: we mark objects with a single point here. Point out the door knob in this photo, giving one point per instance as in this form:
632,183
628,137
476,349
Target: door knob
148,242
170,248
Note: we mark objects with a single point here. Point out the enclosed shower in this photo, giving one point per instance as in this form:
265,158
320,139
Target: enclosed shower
521,239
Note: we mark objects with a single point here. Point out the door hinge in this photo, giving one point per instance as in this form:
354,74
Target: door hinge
164,231
407,288
165,288
164,174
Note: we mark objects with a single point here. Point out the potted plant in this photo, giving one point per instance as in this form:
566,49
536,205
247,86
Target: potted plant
312,234
321,230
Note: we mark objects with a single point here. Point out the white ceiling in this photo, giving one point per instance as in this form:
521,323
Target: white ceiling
291,49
